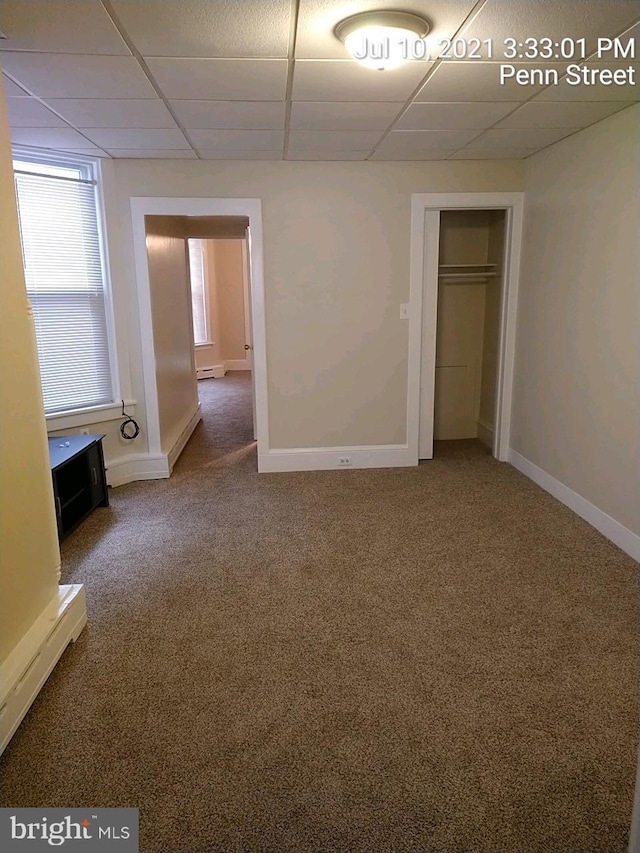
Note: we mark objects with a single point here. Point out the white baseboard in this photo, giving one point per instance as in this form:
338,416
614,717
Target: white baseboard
183,437
327,458
237,364
137,466
148,466
31,662
485,433
621,536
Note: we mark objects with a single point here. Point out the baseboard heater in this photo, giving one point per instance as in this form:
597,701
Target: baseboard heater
216,370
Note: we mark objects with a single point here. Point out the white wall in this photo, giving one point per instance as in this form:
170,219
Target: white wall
576,408
29,554
336,256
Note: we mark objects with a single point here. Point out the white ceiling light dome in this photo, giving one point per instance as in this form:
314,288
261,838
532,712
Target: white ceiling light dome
384,40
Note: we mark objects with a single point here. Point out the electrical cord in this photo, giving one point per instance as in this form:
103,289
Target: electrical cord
125,429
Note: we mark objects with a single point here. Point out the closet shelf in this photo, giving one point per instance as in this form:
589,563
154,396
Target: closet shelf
466,266
467,273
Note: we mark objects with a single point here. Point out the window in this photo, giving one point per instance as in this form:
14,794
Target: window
62,254
198,291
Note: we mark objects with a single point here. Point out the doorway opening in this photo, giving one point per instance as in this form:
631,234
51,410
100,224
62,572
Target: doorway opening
219,268
470,271
198,261
465,258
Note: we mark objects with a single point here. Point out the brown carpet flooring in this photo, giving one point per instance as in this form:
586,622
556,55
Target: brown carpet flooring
432,659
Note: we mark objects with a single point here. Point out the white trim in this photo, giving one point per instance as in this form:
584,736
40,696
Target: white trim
185,434
237,364
137,466
29,665
485,432
423,277
326,458
608,526
93,415
250,207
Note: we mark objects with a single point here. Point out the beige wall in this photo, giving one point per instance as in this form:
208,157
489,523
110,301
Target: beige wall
229,286
336,263
29,555
577,396
172,330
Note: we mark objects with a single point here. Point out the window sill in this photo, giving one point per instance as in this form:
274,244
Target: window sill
204,345
82,417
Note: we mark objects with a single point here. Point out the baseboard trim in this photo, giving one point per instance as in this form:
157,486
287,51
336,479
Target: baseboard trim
29,665
137,466
184,436
485,433
237,364
326,458
620,535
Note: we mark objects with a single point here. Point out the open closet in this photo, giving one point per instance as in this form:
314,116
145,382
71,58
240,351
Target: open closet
470,275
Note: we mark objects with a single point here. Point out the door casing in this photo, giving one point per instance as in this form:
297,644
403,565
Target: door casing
423,312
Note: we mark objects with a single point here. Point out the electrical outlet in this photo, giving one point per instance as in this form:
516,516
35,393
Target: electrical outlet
344,461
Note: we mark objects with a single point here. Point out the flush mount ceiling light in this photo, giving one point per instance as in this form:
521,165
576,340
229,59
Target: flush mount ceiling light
384,40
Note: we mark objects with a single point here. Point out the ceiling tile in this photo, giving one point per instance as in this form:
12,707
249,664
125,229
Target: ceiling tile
137,138
326,156
478,81
45,137
240,155
578,90
27,112
494,154
11,90
241,140
118,112
221,79
51,75
205,28
518,138
152,153
411,155
521,19
561,113
333,140
325,80
60,26
415,141
441,116
245,115
317,20
320,115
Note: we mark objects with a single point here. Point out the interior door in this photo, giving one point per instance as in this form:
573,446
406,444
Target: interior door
248,326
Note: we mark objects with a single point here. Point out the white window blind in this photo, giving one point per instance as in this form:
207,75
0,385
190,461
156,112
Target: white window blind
65,283
198,291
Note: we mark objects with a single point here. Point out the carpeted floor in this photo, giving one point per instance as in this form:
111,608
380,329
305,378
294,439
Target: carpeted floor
433,659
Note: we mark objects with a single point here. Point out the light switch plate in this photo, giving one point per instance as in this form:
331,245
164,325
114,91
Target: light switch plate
404,311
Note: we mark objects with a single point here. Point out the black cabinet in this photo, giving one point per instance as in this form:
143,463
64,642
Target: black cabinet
79,482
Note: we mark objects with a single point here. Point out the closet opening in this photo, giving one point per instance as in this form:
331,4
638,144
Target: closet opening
471,250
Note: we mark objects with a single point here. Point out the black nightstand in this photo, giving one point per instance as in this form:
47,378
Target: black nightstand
79,482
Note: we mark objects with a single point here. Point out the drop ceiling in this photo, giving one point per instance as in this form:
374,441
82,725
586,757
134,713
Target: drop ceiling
268,80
